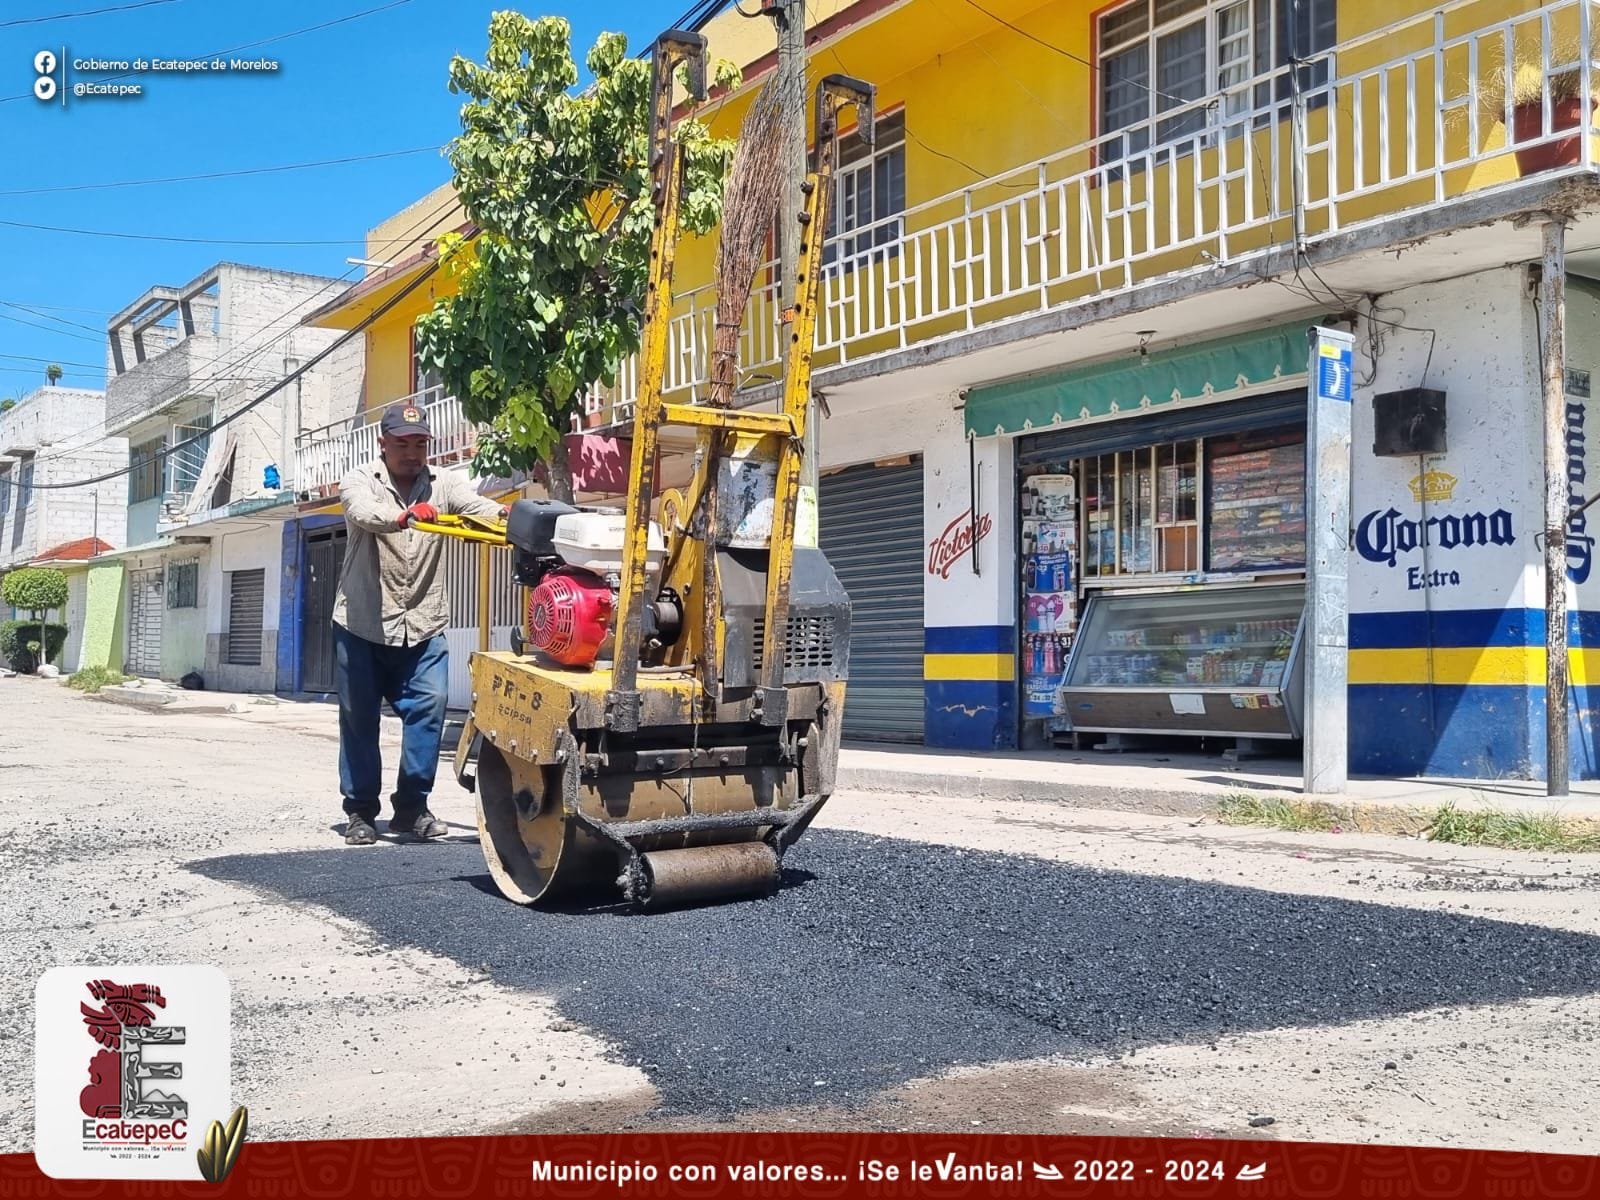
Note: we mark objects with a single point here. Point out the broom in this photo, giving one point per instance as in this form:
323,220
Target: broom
749,208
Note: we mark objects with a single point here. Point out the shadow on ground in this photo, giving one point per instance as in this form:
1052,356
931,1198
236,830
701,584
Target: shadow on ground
883,961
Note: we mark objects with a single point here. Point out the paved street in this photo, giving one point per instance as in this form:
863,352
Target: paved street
931,962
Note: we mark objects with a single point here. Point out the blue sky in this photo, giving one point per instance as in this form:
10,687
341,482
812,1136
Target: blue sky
363,87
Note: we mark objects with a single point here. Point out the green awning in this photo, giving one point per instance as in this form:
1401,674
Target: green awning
1212,368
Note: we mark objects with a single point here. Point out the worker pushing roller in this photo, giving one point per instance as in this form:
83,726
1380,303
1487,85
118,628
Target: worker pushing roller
667,721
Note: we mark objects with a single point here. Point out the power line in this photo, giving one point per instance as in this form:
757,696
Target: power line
303,166
987,176
350,334
97,429
282,37
48,329
99,333
1068,54
93,12
155,237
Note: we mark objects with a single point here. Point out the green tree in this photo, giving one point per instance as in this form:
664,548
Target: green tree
552,288
36,590
8,404
52,373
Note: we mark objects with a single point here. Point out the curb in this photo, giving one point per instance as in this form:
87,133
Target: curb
1404,818
1153,801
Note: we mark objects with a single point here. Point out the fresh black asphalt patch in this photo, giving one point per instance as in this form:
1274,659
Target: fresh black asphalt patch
883,961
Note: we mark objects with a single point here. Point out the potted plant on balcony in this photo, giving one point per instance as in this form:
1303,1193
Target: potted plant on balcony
1531,80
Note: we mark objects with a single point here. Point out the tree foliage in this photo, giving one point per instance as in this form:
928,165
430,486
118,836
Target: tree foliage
551,291
36,589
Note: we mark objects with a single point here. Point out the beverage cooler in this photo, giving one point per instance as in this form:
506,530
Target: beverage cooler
1214,660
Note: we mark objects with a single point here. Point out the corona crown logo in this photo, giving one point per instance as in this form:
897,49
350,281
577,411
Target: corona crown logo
1433,486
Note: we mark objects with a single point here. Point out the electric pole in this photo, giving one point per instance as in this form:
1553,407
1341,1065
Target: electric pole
789,16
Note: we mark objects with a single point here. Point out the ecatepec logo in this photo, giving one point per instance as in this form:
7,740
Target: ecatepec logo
131,1066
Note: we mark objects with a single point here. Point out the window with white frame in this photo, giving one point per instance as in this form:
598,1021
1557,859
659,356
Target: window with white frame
1196,59
187,459
869,196
5,490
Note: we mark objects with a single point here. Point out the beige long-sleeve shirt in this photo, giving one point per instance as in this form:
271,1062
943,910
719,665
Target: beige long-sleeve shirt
392,585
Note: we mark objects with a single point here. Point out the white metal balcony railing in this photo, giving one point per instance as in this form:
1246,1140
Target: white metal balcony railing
1411,116
324,456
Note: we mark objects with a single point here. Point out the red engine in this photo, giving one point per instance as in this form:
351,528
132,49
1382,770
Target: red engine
569,613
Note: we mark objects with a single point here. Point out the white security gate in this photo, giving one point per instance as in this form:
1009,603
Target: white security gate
77,613
461,583
246,605
146,598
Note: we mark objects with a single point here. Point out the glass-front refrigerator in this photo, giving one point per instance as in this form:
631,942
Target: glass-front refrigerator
1210,660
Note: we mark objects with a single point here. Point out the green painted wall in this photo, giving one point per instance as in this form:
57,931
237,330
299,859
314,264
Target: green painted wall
103,623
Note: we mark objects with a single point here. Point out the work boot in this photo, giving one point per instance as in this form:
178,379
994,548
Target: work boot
425,827
359,832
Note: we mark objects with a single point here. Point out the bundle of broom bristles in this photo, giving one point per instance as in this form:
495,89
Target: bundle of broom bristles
749,209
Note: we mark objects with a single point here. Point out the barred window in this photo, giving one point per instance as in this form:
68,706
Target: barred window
183,584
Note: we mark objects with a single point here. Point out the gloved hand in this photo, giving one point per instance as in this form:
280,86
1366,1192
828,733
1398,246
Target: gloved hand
419,512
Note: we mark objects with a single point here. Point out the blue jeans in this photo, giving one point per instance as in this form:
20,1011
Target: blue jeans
415,681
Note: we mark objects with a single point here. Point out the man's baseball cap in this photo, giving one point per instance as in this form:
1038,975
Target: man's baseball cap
405,420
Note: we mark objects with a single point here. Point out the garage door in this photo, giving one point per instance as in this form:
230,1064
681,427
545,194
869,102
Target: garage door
871,531
146,598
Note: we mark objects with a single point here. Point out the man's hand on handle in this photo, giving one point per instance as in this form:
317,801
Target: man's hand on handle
418,512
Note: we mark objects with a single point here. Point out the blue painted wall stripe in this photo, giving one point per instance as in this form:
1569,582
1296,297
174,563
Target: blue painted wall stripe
969,639
1466,627
968,714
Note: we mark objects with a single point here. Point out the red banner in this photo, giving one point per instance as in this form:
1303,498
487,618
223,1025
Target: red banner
837,1165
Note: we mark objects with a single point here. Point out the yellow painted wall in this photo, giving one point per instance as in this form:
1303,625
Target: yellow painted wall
983,99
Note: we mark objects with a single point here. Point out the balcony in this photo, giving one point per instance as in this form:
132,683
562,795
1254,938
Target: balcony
324,456
1414,118
187,368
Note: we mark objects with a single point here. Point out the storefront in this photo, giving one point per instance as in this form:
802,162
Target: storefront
1163,566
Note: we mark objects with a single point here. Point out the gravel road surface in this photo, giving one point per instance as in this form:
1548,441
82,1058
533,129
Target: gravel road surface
929,963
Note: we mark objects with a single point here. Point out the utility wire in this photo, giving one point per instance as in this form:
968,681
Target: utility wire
1068,54
155,237
282,37
259,400
99,333
64,446
93,12
303,166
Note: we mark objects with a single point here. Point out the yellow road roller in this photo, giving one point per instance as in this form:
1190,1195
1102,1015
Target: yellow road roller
666,722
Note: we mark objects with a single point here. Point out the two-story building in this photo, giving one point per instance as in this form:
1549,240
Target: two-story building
1064,362
56,435
196,386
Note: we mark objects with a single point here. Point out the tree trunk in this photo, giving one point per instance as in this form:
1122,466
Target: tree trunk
558,473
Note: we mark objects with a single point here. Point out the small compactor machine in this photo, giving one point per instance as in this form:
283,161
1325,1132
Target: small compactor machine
666,723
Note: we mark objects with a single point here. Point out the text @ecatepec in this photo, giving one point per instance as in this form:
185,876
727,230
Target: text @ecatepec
116,77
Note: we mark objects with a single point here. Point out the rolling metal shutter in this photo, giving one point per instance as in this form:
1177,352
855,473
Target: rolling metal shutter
147,596
246,606
871,530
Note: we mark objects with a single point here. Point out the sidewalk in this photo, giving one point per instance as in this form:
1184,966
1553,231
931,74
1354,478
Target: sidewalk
1171,783
1153,783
